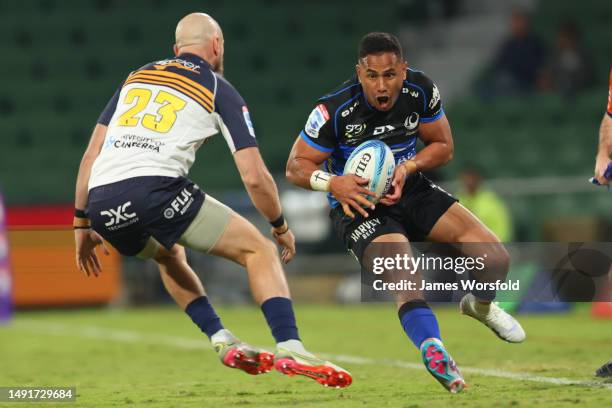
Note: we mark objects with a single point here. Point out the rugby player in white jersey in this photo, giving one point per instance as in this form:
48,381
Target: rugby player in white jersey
132,191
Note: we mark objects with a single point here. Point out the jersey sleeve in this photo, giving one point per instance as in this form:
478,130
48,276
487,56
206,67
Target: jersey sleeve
432,104
609,110
318,131
109,110
235,122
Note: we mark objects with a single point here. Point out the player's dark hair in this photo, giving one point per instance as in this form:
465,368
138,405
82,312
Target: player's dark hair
375,43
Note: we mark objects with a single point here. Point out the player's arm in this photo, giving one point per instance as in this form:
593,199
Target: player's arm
85,238
236,127
434,132
258,182
303,171
264,194
605,149
438,150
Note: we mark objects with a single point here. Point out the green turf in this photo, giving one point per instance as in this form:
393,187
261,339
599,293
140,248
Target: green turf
153,358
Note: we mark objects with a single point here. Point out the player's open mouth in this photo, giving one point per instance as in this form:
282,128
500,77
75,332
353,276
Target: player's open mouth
382,101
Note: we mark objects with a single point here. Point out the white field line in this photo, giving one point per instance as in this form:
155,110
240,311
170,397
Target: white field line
130,336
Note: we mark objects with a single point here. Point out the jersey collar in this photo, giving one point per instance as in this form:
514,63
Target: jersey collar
194,58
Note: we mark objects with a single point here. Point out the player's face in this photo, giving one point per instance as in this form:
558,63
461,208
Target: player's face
381,77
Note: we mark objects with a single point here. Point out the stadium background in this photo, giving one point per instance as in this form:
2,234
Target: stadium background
64,59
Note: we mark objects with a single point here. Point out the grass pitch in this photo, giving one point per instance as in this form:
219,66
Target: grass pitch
157,358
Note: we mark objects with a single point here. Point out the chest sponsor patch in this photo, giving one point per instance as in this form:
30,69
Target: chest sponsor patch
318,117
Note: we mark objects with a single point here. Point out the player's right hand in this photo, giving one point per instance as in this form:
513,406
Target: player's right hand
601,165
286,240
350,193
86,258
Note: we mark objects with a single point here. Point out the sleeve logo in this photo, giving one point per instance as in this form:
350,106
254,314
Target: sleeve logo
318,117
247,120
435,97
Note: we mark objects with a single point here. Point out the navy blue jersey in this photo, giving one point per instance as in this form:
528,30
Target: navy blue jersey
344,119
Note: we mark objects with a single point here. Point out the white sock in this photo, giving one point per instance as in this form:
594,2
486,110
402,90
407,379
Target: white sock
293,345
222,336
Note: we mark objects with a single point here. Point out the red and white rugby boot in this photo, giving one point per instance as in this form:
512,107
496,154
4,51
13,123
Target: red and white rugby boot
237,354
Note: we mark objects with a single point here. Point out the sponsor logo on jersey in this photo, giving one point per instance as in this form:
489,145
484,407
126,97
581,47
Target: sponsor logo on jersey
134,142
411,123
435,97
177,63
247,120
349,110
318,117
365,229
354,130
414,94
180,204
378,130
119,217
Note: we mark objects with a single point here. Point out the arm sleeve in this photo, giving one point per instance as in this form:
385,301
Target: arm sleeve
432,106
109,110
318,131
236,125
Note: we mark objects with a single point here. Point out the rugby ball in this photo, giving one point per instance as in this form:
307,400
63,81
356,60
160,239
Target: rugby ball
372,160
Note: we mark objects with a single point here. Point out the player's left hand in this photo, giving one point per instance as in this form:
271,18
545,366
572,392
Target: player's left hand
86,258
397,184
284,237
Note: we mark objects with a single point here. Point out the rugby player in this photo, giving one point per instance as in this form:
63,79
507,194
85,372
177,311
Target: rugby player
602,161
132,191
390,102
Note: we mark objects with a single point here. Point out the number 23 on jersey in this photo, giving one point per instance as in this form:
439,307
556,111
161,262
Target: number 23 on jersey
165,115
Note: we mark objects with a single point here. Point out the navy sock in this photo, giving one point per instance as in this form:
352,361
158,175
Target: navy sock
279,315
204,316
418,321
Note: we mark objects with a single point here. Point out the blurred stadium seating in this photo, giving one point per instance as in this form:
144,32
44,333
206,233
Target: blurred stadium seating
68,57
73,54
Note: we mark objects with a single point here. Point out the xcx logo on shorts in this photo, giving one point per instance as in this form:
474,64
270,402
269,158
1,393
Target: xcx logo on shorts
118,215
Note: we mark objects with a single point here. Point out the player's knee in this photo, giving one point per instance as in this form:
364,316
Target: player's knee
497,258
265,247
259,247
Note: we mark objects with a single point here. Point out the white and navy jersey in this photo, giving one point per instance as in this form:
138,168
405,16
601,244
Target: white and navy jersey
162,114
344,119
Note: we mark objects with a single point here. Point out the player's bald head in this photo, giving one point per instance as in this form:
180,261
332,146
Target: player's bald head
196,28
200,34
